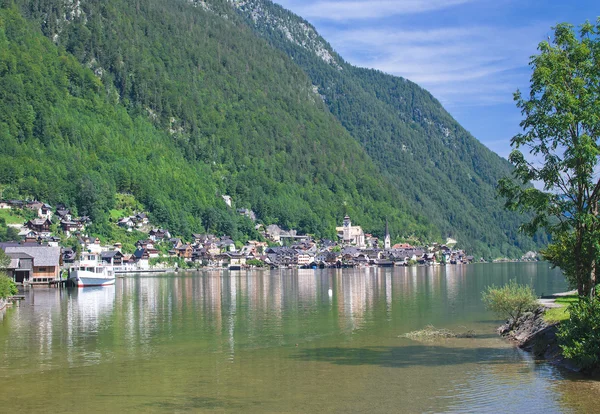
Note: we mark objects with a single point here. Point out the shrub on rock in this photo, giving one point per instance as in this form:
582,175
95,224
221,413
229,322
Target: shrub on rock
510,301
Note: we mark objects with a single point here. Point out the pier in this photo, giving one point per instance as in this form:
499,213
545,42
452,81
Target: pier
58,283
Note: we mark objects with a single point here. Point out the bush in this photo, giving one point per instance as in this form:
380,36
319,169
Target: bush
171,261
255,263
579,336
510,301
7,287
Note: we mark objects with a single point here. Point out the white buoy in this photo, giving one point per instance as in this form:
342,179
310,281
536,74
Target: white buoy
330,292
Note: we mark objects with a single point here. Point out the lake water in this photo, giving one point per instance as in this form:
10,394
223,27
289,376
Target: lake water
279,341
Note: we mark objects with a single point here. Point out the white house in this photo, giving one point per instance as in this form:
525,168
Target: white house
305,258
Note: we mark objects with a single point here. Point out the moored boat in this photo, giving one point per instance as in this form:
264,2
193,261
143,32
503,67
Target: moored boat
90,272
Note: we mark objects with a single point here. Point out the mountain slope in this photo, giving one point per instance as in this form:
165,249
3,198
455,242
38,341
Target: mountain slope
445,172
177,105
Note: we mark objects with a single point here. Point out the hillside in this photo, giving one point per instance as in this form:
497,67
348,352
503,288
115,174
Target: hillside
176,106
253,104
444,172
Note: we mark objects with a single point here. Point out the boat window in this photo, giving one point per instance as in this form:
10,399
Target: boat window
90,269
98,270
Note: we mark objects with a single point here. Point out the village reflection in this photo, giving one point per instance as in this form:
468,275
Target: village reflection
224,312
227,310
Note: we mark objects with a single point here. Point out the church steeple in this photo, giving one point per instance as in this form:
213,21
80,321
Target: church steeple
387,242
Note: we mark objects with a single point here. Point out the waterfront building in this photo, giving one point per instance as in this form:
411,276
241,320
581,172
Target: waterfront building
305,258
33,263
236,260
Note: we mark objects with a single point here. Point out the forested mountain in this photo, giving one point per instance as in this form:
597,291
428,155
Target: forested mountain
167,102
179,102
444,171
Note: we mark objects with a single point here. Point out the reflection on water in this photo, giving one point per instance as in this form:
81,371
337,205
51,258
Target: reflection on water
289,340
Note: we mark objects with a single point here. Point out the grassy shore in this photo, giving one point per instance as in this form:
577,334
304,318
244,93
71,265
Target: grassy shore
561,313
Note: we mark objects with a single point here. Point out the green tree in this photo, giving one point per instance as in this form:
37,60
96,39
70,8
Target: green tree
561,129
7,286
255,263
4,260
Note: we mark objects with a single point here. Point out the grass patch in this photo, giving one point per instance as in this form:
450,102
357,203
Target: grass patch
12,216
554,315
125,205
126,238
431,333
115,214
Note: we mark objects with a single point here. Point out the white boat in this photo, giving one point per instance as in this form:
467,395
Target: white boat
90,272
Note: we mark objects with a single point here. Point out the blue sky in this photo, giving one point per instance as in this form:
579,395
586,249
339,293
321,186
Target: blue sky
472,55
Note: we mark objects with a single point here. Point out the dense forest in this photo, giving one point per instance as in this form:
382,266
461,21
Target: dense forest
179,102
178,120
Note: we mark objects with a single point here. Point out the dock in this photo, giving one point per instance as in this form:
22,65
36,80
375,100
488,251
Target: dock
133,271
59,283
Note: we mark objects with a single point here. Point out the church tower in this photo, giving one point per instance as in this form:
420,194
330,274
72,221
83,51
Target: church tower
347,226
387,242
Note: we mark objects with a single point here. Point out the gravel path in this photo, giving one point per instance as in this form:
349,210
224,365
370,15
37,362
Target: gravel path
551,302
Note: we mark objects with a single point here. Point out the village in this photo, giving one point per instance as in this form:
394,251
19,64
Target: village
37,256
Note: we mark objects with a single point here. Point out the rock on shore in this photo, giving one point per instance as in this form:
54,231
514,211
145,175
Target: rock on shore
532,334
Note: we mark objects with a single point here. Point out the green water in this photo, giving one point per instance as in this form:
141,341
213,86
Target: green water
279,341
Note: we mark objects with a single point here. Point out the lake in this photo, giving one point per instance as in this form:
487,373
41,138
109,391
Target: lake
280,341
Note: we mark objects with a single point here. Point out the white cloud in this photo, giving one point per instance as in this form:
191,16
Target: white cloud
480,65
361,10
470,54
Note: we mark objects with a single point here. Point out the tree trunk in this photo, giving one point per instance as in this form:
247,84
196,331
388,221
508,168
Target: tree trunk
591,291
592,287
580,273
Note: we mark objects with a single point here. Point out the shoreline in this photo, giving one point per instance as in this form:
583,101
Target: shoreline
533,334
